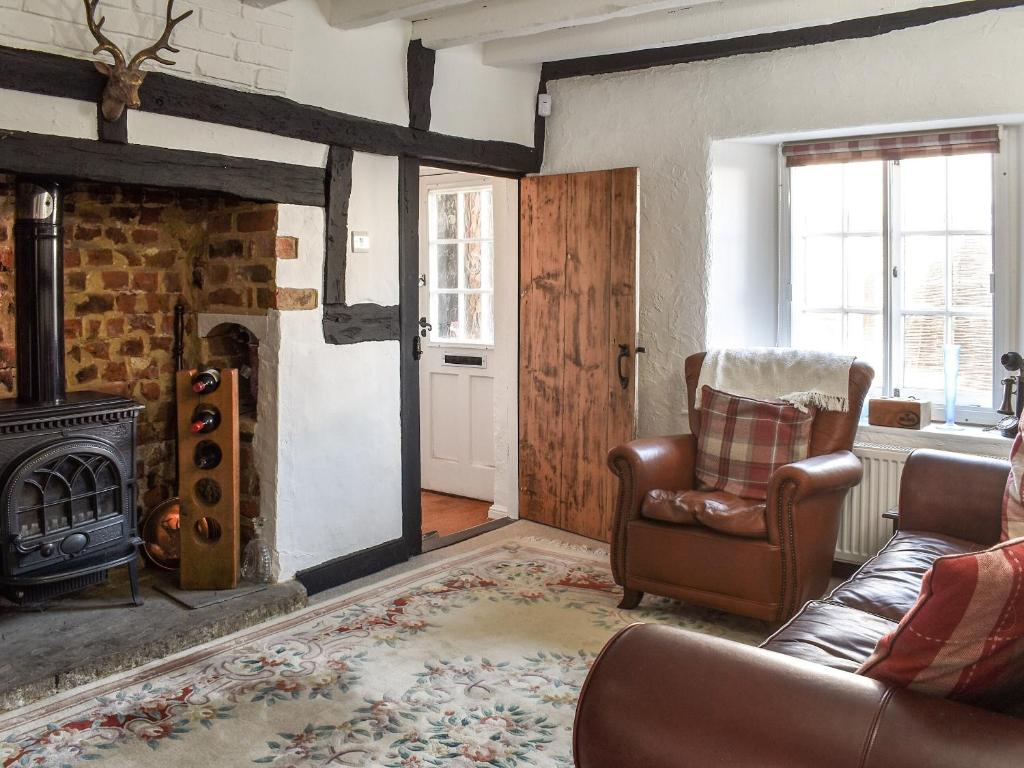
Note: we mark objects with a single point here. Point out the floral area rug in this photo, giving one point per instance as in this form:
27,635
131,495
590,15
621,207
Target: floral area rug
470,662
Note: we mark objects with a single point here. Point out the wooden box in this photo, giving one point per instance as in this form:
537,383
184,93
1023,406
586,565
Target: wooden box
899,412
210,528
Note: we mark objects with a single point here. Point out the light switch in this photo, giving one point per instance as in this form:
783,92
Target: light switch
360,242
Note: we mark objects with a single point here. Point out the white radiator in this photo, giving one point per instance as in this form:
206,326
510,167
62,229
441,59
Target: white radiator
863,530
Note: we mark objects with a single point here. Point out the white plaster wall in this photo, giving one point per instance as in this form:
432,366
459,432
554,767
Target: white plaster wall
338,430
665,120
360,71
20,111
198,136
373,208
482,102
505,361
743,308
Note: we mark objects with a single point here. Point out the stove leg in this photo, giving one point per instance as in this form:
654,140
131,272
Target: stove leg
133,578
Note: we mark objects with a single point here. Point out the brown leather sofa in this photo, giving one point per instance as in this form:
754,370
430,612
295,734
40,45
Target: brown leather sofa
660,697
766,571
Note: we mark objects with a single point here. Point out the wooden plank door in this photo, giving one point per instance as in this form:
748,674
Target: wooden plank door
577,318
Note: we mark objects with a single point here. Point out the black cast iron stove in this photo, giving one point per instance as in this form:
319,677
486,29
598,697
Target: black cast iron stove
67,462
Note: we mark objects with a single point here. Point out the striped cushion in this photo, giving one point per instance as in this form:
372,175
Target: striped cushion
964,637
743,441
1013,509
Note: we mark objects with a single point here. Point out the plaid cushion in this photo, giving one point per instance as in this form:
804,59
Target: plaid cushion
743,441
1013,509
964,637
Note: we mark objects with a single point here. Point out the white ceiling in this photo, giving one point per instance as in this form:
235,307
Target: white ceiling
531,31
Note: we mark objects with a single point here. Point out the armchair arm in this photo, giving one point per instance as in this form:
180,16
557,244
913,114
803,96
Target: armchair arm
645,465
802,515
953,494
660,697
831,472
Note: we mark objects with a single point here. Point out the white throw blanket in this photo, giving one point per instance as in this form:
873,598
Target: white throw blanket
795,376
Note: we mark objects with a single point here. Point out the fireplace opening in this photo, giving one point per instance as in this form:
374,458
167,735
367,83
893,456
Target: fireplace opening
130,254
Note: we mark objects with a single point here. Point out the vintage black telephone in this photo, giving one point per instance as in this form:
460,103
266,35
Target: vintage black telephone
1014,363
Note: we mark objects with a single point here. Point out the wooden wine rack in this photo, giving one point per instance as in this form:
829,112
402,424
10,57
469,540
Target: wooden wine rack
210,526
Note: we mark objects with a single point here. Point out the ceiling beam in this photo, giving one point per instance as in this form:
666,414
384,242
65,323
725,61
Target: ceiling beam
514,18
352,14
702,23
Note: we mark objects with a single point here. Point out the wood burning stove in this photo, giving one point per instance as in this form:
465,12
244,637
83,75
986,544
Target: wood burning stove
67,462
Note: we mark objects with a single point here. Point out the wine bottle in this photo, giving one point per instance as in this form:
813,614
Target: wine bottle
206,381
207,455
205,419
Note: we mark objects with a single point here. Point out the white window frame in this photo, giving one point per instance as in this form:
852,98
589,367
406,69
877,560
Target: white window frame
1006,235
445,188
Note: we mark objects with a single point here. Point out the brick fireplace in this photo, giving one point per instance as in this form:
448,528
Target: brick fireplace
131,254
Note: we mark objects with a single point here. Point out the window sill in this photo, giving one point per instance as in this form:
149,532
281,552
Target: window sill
970,439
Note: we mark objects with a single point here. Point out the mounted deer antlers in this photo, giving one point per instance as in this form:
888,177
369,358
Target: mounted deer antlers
123,80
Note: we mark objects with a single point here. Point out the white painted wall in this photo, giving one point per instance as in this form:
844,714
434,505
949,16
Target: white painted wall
373,277
481,102
289,49
665,121
338,484
744,274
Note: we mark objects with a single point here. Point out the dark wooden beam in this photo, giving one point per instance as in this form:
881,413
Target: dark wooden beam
771,41
409,374
52,75
86,159
419,63
339,190
351,567
356,323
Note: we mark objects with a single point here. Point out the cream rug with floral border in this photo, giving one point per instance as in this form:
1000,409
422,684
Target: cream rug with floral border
470,661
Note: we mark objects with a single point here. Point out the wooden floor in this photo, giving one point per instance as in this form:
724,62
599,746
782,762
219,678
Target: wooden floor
451,514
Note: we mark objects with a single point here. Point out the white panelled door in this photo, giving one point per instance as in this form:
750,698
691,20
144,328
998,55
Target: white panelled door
457,330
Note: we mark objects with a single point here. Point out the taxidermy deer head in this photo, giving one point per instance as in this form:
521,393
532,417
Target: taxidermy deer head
123,80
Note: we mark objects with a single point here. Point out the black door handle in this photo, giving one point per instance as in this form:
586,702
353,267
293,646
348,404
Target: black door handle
623,355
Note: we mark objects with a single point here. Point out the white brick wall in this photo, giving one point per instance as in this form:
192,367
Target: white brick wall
223,42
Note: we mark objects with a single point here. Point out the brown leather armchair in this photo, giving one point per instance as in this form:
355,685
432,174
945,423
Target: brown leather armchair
766,573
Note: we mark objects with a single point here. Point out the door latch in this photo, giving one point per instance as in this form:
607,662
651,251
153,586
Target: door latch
623,355
417,348
424,327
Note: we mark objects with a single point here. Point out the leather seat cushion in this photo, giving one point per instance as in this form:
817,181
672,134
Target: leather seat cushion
831,635
716,510
888,584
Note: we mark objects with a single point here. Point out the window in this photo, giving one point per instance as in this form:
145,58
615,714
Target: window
889,259
461,263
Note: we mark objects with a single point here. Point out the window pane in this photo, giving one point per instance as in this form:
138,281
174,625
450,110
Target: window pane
865,339
974,335
923,337
864,271
818,330
446,226
971,256
923,194
817,198
970,192
862,195
474,316
823,272
446,326
477,221
447,266
924,272
478,265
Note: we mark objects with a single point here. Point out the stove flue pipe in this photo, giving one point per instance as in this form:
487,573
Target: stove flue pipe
39,290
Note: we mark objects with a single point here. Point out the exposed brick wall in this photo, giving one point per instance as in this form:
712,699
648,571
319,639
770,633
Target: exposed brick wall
130,255
224,41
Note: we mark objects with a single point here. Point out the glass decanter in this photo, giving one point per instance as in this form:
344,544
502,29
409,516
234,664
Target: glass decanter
257,560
